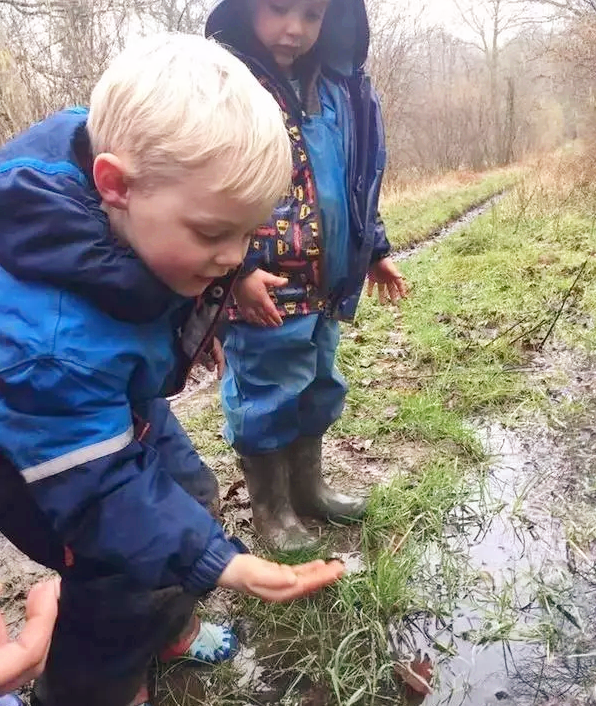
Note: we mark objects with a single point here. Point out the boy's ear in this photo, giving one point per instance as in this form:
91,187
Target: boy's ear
110,179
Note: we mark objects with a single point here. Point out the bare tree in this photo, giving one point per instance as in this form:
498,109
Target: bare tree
176,15
447,103
494,24
392,63
576,8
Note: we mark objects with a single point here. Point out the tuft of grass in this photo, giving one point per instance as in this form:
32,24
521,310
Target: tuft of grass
485,300
205,429
340,635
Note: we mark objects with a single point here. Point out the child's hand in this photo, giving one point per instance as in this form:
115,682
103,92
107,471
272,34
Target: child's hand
254,302
390,284
278,582
24,658
214,360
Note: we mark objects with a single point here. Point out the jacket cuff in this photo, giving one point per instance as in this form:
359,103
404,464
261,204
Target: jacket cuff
206,571
380,254
246,270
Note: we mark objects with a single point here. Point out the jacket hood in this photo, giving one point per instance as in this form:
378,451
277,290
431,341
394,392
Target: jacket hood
342,45
53,230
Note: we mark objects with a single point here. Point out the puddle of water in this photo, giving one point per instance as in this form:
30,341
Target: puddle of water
515,548
520,554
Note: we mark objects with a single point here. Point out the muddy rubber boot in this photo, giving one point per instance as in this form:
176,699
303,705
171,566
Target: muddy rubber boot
267,480
311,495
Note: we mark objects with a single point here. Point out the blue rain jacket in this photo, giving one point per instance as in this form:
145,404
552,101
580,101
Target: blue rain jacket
326,270
89,338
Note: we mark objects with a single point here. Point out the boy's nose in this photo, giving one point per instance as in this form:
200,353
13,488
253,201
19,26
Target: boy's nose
231,257
294,27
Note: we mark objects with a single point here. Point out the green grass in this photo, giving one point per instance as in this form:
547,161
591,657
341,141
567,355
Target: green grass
412,216
339,637
460,347
205,429
484,300
387,399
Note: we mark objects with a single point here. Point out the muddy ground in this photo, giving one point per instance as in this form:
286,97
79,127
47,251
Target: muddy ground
542,478
529,536
532,539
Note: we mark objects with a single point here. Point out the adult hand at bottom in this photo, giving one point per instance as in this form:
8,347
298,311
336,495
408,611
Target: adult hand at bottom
24,658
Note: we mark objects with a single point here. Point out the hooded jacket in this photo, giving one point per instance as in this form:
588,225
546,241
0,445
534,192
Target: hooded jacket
89,338
293,242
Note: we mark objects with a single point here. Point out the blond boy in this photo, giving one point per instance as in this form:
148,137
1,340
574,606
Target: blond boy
113,225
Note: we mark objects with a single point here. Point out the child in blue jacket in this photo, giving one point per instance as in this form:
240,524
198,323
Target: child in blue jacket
114,224
307,264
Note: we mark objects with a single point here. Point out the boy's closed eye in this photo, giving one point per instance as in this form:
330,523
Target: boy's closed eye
316,11
278,8
313,13
202,233
206,230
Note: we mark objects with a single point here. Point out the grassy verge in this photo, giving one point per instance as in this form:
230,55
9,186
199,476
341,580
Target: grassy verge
517,281
414,213
483,302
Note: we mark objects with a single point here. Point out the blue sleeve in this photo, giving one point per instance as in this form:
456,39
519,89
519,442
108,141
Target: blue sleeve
178,455
67,428
382,246
126,511
252,261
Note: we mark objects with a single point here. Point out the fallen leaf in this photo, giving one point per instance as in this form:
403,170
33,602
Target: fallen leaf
233,490
417,674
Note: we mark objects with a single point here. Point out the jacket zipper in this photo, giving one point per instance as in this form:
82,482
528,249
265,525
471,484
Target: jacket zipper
301,116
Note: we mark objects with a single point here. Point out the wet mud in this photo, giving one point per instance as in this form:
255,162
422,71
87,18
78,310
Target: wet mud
17,575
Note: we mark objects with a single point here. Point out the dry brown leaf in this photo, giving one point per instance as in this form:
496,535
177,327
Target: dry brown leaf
417,674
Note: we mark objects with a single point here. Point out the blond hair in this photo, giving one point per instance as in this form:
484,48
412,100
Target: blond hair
171,103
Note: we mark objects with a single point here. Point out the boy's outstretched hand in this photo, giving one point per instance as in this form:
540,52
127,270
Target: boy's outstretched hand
278,582
390,284
253,299
24,658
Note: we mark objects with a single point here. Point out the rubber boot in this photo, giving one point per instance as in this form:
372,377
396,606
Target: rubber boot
267,480
311,496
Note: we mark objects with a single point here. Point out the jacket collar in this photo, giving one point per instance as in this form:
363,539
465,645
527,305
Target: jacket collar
53,229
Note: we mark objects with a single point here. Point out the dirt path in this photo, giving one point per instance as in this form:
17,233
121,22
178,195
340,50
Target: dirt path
17,575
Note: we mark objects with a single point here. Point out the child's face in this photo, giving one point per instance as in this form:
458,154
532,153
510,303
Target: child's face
185,233
288,28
